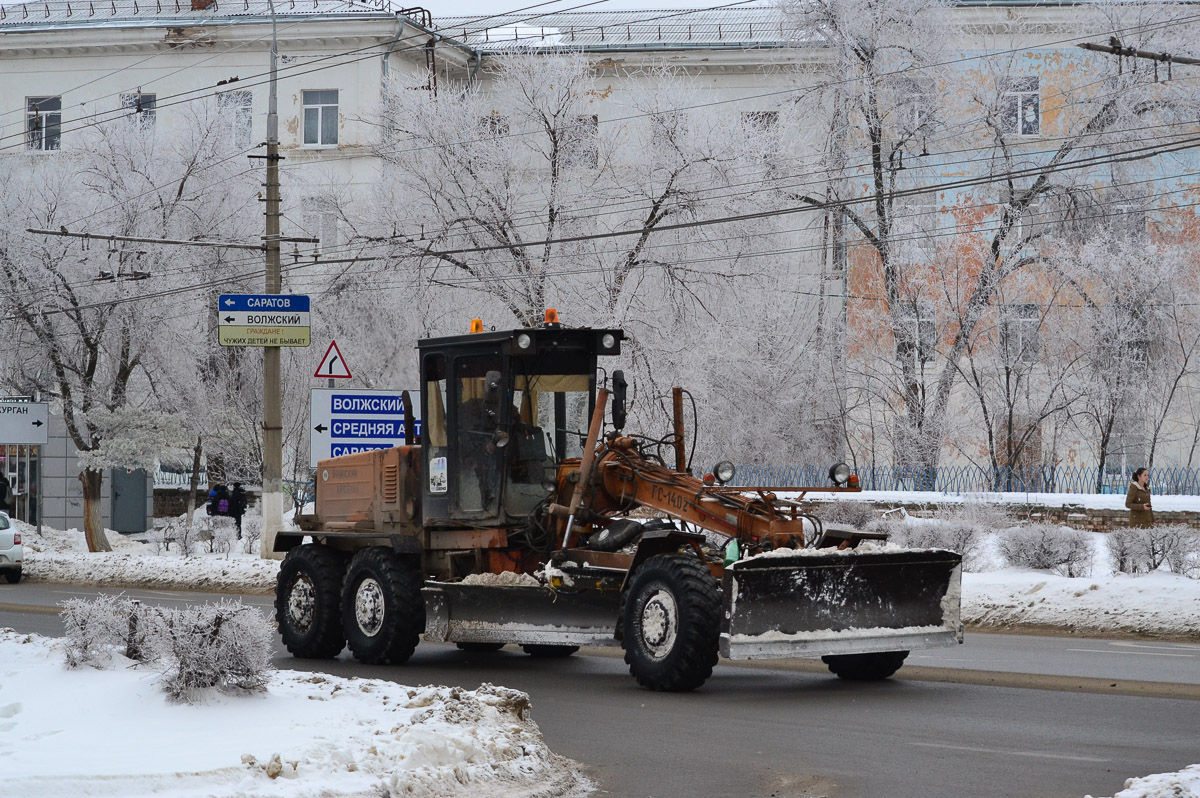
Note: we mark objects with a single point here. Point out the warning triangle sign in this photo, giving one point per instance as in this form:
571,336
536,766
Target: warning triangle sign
333,365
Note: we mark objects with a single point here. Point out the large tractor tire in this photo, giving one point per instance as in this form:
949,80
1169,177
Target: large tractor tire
545,651
308,605
383,612
671,623
865,667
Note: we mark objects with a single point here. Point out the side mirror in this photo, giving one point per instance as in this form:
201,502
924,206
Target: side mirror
620,387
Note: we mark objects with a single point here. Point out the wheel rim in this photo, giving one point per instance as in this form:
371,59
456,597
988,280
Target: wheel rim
302,602
368,607
659,623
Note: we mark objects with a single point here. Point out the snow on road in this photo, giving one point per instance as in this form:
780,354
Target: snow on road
114,733
375,737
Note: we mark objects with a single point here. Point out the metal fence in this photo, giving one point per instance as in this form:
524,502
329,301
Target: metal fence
974,479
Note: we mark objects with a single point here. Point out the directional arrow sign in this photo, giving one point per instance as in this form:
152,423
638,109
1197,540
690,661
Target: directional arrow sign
346,421
24,422
263,320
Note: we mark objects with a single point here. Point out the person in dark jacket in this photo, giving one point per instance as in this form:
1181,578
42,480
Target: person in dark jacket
1141,514
237,506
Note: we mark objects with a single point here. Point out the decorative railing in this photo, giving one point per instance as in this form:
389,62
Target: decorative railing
974,479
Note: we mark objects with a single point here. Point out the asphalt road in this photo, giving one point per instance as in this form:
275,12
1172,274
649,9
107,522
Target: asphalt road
1002,715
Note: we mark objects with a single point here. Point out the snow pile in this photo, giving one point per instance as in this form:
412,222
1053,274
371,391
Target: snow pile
1159,603
62,556
1184,784
67,734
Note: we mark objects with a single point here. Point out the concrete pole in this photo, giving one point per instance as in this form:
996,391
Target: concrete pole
272,487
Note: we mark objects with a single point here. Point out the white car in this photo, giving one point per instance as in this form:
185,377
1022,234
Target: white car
11,551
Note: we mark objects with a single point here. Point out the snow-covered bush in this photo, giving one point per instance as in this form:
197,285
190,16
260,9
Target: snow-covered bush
251,533
964,538
1144,550
855,514
1123,545
223,537
1184,559
97,628
985,516
226,645
1045,547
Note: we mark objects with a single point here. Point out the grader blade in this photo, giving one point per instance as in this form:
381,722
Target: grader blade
817,602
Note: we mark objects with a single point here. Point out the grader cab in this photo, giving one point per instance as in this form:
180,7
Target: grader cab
521,516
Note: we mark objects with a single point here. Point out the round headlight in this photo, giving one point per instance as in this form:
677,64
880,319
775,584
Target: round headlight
724,471
523,340
839,473
608,341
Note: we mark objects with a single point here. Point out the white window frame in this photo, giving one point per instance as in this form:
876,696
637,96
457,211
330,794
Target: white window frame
147,116
43,130
581,142
918,321
1020,323
321,221
1021,106
235,112
320,110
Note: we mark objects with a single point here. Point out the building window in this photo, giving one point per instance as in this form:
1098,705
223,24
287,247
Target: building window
581,142
234,112
141,107
1021,106
494,125
760,121
918,331
915,227
321,221
1019,324
667,130
43,122
321,118
915,106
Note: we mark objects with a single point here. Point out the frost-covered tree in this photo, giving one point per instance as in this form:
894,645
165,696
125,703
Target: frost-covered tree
986,145
91,330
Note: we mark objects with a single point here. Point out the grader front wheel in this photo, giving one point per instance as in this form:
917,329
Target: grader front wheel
671,623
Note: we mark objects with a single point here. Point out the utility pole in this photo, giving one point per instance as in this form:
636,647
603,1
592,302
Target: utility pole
1114,47
272,486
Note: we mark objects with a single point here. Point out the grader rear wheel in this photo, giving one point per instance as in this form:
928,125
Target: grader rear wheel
307,608
383,612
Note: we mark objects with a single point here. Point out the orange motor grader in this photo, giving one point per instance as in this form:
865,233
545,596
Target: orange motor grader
517,515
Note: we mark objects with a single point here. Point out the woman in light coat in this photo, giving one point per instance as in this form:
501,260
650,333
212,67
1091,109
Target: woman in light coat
1141,514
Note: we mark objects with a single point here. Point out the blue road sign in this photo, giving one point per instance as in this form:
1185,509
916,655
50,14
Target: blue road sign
294,303
348,421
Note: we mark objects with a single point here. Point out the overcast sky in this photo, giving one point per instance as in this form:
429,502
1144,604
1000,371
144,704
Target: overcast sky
454,8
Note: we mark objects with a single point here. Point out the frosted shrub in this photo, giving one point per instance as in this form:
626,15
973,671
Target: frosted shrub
855,514
97,628
251,533
966,539
1123,545
984,516
1145,550
1046,547
1185,558
225,645
223,537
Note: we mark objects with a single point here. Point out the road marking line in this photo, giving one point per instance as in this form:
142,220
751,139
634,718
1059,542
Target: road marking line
1036,754
1134,653
39,609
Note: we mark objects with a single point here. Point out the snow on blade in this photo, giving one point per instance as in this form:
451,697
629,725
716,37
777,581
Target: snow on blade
82,733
